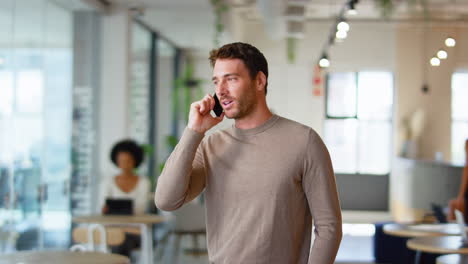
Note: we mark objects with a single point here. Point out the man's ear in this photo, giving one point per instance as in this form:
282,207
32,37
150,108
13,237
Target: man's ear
261,81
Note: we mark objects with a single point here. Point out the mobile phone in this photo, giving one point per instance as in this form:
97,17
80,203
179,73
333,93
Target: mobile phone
217,109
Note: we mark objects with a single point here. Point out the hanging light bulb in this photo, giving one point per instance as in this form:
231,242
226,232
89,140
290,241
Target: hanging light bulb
442,54
342,26
352,7
324,62
340,34
435,61
450,42
352,12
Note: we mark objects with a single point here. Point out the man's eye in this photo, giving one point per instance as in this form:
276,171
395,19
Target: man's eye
231,79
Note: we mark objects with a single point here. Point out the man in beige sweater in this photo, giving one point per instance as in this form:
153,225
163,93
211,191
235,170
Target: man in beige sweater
265,178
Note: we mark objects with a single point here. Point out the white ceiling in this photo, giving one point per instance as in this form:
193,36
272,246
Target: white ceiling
190,23
187,23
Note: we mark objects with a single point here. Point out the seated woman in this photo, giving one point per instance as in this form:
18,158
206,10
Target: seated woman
127,155
460,203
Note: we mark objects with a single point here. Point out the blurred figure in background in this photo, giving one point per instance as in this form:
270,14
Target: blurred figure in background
460,203
127,155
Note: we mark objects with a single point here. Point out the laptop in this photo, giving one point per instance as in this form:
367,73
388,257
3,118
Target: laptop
119,206
461,224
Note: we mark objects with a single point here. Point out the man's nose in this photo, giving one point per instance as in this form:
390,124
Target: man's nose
221,88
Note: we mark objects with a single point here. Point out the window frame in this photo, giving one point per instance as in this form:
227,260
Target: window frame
454,121
358,120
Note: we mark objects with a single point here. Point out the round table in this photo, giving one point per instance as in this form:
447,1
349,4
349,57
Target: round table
65,257
144,222
119,219
421,230
452,259
437,245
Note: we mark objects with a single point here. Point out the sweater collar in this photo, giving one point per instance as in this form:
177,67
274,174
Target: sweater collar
252,131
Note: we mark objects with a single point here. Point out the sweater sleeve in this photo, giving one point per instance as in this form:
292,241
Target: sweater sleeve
320,189
183,177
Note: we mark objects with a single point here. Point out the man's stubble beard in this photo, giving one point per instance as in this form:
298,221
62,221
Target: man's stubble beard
245,104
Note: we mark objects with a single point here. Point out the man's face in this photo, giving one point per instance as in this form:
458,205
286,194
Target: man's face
235,88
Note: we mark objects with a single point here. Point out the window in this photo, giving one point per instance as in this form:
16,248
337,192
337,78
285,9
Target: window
358,124
36,59
459,116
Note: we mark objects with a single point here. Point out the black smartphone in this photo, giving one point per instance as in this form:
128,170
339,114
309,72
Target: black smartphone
217,109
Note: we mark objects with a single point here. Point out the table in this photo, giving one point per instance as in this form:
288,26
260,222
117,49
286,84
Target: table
62,257
421,230
452,259
437,245
144,222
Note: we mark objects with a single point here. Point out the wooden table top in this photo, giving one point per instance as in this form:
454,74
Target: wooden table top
120,219
421,230
65,257
438,245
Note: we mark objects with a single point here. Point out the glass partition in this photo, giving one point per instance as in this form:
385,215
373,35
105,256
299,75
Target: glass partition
35,78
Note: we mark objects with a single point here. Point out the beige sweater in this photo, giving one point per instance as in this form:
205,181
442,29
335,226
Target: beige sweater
262,186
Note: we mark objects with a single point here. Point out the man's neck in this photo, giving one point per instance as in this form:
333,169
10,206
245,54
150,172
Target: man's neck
254,119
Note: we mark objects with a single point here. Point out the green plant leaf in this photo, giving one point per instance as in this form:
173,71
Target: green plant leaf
148,149
291,49
161,167
171,141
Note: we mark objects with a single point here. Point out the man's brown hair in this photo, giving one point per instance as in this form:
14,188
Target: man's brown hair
250,55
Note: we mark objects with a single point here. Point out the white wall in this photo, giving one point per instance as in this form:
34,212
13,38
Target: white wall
414,50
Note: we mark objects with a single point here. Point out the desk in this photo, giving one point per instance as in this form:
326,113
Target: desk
421,230
63,257
144,222
437,245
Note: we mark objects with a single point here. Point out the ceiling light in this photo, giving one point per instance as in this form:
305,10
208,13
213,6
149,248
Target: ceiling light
352,12
352,7
450,42
435,61
324,62
342,26
341,34
442,54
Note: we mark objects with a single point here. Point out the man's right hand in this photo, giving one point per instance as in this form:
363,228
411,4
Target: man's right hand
200,118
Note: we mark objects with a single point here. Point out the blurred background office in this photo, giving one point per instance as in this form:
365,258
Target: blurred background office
387,90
